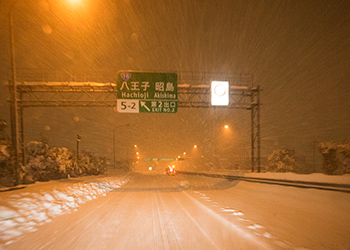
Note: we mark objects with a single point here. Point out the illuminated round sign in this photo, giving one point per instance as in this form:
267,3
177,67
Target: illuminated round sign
220,93
220,90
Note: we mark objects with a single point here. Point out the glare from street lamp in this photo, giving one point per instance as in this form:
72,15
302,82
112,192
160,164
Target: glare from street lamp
184,153
135,146
226,126
195,146
75,2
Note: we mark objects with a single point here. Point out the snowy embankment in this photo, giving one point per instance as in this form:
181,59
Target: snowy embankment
315,177
23,210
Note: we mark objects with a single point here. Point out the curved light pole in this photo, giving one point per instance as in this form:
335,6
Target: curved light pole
124,125
14,100
14,110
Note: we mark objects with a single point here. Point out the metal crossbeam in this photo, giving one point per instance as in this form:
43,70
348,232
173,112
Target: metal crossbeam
88,94
67,94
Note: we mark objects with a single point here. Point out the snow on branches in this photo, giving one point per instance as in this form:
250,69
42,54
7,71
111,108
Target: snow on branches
45,163
282,160
331,162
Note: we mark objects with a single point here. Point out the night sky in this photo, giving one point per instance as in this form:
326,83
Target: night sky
298,52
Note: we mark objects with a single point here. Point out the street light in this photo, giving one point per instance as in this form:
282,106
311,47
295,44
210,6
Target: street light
74,2
124,125
14,101
216,140
14,110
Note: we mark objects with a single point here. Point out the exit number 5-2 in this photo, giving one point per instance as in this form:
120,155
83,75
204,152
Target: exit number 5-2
128,106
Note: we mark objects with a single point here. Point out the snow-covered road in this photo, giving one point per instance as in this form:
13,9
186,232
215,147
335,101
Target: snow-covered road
146,211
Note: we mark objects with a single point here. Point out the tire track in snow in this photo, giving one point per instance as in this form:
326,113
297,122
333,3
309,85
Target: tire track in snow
167,222
159,236
201,229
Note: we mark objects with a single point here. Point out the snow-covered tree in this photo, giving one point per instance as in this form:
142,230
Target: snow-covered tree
344,149
64,159
6,157
6,164
35,148
3,125
41,163
4,152
45,163
282,160
328,150
90,164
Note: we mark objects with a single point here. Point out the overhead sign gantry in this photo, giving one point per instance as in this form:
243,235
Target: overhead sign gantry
192,90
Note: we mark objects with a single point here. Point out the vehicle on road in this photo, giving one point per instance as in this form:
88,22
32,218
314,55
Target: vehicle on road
170,170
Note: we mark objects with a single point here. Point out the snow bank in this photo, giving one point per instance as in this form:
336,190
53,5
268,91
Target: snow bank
23,210
315,177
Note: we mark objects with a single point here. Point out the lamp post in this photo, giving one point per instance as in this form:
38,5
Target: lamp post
14,100
124,125
14,110
78,140
216,141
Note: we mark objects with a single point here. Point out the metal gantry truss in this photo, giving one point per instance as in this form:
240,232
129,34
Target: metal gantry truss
193,92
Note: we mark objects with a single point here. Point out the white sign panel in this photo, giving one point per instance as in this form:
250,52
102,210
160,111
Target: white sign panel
128,106
220,93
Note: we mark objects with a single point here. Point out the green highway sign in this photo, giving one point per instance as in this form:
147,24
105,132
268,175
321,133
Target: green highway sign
162,106
167,159
144,92
161,159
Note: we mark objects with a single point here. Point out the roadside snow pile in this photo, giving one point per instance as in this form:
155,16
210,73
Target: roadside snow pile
23,211
315,177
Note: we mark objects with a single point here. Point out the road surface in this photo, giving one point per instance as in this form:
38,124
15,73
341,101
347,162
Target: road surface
160,212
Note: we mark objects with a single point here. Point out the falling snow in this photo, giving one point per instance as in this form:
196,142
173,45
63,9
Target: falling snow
297,52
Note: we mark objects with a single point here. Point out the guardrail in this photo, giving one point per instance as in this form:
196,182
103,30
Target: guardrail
291,183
